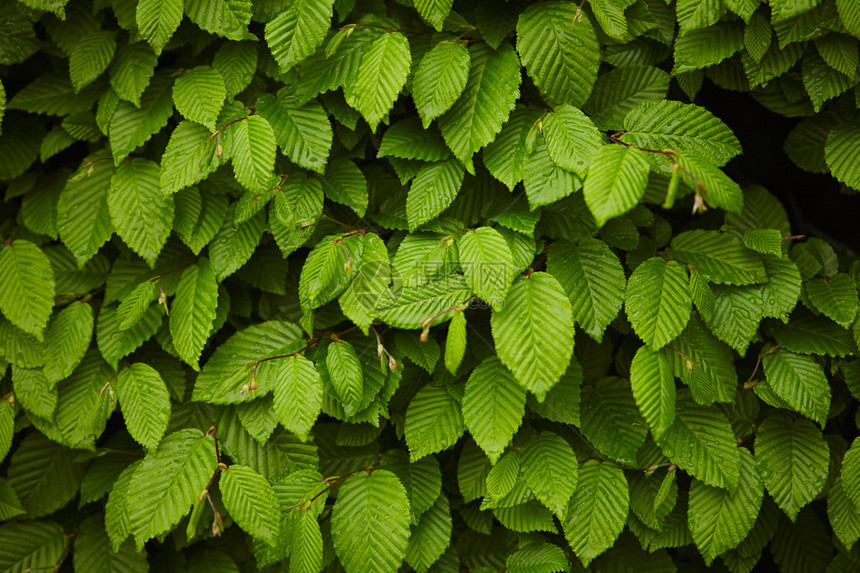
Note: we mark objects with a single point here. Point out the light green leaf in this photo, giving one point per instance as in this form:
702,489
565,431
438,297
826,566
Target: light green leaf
142,216
721,257
558,46
701,442
533,332
306,554
193,311
841,149
486,102
597,510
487,263
674,125
695,14
433,422
130,126
455,342
408,140
157,20
381,75
90,57
433,190
231,365
298,393
592,276
737,312
199,94
610,419
616,181
720,520
344,183
506,156
303,131
620,90
298,31
7,429
26,286
842,514
228,19
234,244
439,79
324,274
849,472
766,241
800,381
237,63
251,501
493,406
190,156
835,296
717,188
67,339
823,83
145,403
658,301
34,391
703,48
654,389
572,140
550,469
253,149
807,333
422,479
431,536
434,12
134,306
792,457
346,376
168,482
370,522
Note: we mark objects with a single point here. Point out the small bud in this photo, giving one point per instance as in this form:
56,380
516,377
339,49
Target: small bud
244,389
425,333
111,395
162,299
304,223
379,349
349,31
202,495
219,150
217,525
11,399
689,364
699,204
449,243
347,266
253,385
90,171
651,469
392,363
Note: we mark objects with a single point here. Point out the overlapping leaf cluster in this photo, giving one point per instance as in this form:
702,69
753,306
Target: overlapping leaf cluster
361,285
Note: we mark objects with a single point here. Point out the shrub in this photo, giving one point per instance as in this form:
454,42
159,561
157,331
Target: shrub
364,285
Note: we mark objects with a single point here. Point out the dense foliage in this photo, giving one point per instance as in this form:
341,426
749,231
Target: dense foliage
365,285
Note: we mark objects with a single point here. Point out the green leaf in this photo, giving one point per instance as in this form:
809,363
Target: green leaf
28,545
718,190
142,216
616,181
193,311
533,332
253,150
298,31
90,58
130,126
424,353
370,522
234,244
537,557
189,157
345,183
26,286
251,501
486,102
34,392
455,342
835,296
439,79
408,140
93,551
550,470
822,82
7,429
800,381
766,241
843,144
431,536
298,392
594,280
67,339
381,75
344,369
658,301
737,312
306,554
145,403
703,48
422,479
168,482
622,89
849,472
83,219
157,20
572,140
43,474
559,48
597,510
792,457
117,522
807,333
434,12
842,514
701,442
493,406
324,274
487,263
433,190
780,293
228,19
433,422
229,368
303,131
722,258
654,389
720,520
682,127
506,156
694,15
237,63
199,94
134,306
610,419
